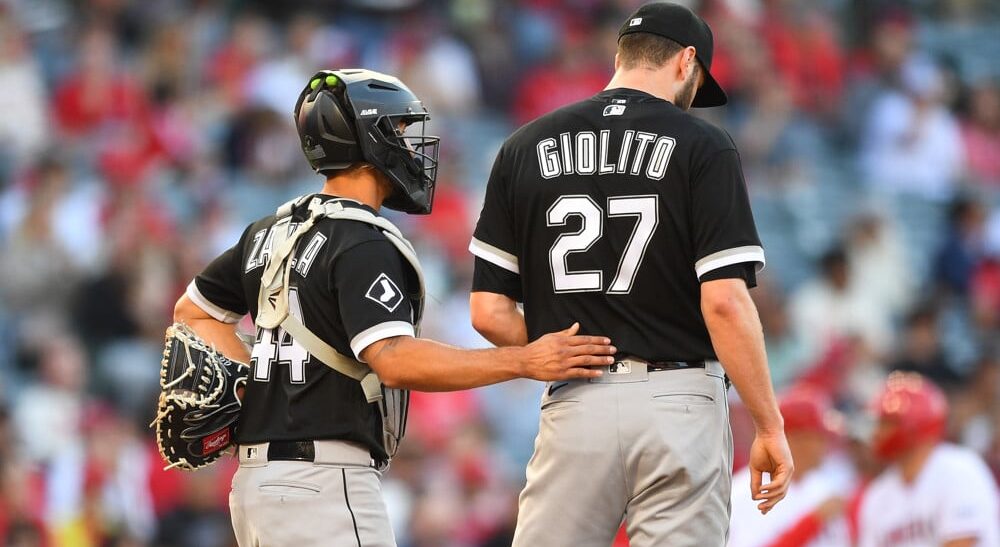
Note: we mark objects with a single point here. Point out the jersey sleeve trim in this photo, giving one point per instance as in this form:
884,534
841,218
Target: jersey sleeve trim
381,331
494,255
216,312
736,255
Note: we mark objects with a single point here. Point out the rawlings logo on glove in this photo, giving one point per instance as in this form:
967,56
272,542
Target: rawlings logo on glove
199,406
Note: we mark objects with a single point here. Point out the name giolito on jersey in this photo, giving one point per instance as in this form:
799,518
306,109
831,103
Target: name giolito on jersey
587,153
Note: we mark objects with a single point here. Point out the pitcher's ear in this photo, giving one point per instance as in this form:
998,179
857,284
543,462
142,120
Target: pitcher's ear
689,60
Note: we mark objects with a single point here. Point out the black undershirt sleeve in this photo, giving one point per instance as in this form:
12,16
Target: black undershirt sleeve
489,277
747,271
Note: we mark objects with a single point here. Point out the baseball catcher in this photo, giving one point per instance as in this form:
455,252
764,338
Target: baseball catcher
336,296
199,404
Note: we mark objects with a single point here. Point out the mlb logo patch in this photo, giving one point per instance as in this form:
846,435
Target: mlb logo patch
619,367
385,293
635,22
614,110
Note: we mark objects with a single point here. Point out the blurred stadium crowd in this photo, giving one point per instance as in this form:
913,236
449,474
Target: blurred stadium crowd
137,139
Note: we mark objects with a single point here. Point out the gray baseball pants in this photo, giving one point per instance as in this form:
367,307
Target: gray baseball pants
653,448
335,500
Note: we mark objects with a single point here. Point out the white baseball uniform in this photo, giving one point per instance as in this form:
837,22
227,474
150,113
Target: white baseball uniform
806,493
953,497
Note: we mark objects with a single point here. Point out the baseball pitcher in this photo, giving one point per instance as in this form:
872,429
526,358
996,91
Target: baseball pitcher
628,213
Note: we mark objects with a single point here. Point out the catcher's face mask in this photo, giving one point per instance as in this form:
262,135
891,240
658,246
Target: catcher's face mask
411,161
347,116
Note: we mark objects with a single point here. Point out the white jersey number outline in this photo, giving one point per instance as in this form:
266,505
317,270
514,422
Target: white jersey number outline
277,346
645,208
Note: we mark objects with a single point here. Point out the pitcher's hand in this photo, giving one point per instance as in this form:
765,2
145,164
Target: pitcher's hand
770,454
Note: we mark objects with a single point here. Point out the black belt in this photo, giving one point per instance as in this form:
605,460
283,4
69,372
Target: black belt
678,365
673,365
292,451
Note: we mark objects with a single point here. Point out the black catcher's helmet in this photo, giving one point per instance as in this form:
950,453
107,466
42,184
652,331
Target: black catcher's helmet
354,115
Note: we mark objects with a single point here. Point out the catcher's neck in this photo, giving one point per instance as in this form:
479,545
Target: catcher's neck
364,183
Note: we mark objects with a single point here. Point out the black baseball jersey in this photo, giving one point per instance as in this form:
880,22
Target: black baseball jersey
351,287
610,212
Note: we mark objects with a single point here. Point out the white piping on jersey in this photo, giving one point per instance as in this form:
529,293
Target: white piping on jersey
217,313
381,331
494,255
736,255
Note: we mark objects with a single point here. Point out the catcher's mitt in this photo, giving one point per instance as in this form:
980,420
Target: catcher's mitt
198,407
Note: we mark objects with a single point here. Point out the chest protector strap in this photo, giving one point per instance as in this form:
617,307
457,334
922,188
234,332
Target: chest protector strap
273,310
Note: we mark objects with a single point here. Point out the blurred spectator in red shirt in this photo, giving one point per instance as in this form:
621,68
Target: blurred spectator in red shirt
985,294
98,92
438,417
230,67
449,226
888,47
570,76
981,135
21,492
21,495
107,110
806,52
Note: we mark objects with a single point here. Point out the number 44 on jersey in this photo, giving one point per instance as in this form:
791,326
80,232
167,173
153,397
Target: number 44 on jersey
275,346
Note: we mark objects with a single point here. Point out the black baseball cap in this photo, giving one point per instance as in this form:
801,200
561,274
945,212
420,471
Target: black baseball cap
687,29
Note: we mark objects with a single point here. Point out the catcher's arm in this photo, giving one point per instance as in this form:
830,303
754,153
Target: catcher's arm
497,319
215,332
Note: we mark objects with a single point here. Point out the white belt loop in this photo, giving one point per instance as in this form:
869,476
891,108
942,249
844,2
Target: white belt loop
342,453
714,368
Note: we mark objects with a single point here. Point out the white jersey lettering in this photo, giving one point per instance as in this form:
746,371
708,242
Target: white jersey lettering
586,153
